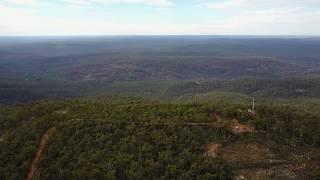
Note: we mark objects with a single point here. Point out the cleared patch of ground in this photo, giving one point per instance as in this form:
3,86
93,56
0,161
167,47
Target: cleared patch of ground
279,172
253,160
259,159
246,152
239,128
256,161
234,125
212,150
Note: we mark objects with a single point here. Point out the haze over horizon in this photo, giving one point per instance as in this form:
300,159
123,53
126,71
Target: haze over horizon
159,17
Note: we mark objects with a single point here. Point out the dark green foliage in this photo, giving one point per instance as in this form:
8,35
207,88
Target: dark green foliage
92,149
107,138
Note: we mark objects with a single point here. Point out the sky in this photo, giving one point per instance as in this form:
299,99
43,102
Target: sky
159,17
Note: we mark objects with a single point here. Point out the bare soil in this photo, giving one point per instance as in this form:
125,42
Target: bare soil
212,150
42,145
239,128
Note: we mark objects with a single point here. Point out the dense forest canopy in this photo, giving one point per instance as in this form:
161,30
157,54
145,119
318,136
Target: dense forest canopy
132,138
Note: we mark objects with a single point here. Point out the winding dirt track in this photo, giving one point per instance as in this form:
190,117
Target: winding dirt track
42,145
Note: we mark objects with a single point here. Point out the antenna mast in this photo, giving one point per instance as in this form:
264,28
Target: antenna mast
253,105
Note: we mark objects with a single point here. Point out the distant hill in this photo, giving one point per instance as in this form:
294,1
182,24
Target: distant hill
59,67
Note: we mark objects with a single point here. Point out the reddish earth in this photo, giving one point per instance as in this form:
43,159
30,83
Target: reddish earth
212,150
239,128
42,145
234,124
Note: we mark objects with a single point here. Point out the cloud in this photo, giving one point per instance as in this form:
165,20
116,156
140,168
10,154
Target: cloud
23,2
162,3
26,3
23,21
15,20
225,4
146,2
268,22
279,21
295,17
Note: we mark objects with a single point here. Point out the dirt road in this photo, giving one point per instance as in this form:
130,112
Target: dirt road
42,145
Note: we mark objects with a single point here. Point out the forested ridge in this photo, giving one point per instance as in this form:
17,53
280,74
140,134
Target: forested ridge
103,138
16,91
34,68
